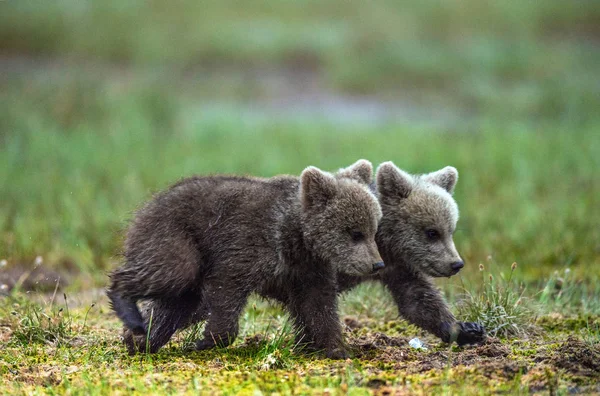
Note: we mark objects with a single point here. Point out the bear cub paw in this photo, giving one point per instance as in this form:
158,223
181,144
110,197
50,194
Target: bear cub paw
204,344
134,343
337,353
470,333
464,333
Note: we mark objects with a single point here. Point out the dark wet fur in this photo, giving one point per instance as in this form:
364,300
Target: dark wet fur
198,250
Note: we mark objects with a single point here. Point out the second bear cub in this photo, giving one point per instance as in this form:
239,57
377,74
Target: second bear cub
415,238
199,249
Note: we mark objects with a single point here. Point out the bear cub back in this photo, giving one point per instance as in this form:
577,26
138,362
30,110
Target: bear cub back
197,250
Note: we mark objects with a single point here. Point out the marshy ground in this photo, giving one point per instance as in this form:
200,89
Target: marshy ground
73,346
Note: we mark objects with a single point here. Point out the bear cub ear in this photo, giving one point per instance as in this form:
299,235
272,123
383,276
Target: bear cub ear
445,178
392,181
361,171
316,187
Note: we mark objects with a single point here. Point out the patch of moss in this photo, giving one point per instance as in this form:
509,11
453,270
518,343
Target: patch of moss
559,323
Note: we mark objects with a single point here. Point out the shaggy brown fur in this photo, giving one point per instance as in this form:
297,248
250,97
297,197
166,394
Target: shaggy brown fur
197,250
415,241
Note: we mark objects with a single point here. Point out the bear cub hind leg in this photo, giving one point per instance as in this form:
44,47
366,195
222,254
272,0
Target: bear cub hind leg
162,318
224,306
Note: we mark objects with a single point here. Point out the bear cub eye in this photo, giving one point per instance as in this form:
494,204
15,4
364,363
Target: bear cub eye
432,235
357,236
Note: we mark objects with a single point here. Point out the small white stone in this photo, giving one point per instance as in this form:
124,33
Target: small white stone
417,344
38,261
3,263
3,287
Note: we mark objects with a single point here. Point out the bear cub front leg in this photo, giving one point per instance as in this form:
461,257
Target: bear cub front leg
316,320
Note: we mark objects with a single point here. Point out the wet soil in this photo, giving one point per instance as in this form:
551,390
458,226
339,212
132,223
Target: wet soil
578,358
539,363
41,279
254,93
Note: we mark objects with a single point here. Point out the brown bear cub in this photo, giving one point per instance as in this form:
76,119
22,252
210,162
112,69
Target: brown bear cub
415,241
197,251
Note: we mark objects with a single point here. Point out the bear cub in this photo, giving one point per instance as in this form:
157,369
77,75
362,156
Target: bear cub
196,252
415,241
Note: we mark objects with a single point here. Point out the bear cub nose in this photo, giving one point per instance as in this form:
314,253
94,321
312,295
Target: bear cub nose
379,265
457,265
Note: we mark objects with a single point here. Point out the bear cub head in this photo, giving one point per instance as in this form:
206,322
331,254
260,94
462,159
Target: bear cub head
340,220
419,219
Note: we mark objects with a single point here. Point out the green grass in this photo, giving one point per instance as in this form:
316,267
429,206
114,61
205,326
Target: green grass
500,305
34,323
73,174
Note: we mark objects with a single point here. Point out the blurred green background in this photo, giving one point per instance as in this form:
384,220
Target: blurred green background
103,103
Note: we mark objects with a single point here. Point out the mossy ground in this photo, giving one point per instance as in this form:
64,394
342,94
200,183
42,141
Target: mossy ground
86,356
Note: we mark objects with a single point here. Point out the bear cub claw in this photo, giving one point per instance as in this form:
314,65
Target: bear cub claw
464,333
